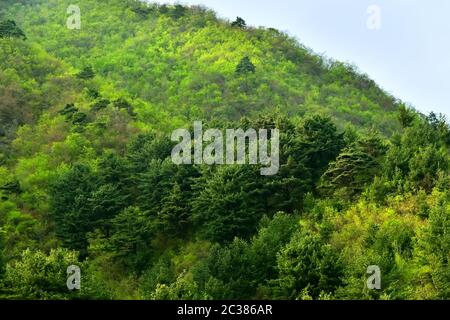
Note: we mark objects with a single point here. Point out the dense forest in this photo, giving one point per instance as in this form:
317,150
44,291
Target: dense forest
86,176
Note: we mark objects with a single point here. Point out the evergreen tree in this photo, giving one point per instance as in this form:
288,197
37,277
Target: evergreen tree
154,185
142,9
425,165
405,116
71,209
356,166
69,110
105,203
285,191
316,144
174,216
11,187
122,103
416,156
178,11
440,127
79,118
100,105
245,66
163,9
229,203
93,93
239,22
131,236
87,73
9,30
147,147
164,193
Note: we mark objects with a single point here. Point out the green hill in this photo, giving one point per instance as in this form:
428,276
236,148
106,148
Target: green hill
183,61
86,176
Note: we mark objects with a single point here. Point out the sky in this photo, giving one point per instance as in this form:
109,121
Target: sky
404,45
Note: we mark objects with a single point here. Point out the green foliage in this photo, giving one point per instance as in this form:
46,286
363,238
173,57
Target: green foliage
165,190
87,73
96,175
40,276
182,289
239,22
418,155
307,263
229,203
406,116
243,270
69,110
9,30
122,103
100,104
173,217
434,248
356,166
160,274
71,211
130,236
141,9
245,66
178,11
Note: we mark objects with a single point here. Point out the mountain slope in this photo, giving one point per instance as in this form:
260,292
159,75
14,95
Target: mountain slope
86,176
184,62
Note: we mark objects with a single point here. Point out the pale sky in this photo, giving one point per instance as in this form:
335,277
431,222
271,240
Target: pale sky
409,56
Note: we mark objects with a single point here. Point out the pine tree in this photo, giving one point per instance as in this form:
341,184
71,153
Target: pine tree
87,73
145,148
131,232
239,22
101,104
123,103
11,187
405,116
174,217
229,203
356,166
245,66
315,145
71,208
93,93
178,11
9,30
142,9
69,110
79,118
285,191
154,185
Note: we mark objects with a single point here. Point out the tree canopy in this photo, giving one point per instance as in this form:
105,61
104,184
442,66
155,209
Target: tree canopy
9,30
87,179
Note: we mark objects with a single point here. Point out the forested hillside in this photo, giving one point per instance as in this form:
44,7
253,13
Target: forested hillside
86,176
